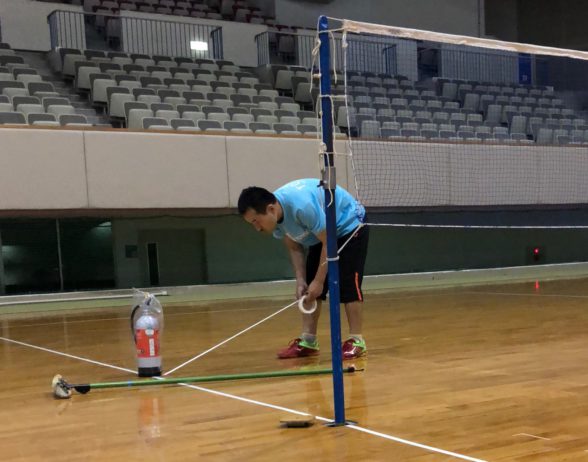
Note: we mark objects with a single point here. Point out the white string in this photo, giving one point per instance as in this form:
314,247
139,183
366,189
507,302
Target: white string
344,45
332,98
351,236
404,225
230,338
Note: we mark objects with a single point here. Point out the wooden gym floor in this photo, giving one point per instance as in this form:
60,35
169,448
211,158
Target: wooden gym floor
496,373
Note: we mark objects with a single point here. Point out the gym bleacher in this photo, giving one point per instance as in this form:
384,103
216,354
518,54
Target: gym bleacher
137,91
228,10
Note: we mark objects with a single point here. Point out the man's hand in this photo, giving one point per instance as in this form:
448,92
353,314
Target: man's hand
315,289
301,288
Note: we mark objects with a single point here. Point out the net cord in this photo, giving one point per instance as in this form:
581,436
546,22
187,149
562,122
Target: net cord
416,225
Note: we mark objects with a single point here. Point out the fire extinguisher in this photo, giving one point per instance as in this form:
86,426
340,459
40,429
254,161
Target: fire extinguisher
147,327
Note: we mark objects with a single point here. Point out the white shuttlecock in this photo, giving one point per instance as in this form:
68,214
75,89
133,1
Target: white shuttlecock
60,388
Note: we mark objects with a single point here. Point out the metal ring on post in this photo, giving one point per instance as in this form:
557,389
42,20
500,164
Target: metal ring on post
303,309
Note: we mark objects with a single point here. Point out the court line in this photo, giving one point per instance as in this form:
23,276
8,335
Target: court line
259,403
230,338
72,299
18,317
525,295
532,436
79,321
67,355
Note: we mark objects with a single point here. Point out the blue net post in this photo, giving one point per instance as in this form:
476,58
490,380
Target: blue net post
329,184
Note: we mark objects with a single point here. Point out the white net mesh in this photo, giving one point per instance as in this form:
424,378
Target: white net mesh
438,121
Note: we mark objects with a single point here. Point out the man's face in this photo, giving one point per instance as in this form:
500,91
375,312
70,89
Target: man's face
262,222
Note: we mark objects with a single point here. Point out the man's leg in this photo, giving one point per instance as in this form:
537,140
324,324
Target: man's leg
354,317
306,344
351,265
310,321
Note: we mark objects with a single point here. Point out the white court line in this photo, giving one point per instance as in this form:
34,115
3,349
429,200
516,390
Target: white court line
230,338
259,403
525,295
67,355
72,299
532,436
81,321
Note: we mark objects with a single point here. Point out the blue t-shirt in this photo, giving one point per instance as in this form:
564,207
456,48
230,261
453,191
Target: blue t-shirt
303,203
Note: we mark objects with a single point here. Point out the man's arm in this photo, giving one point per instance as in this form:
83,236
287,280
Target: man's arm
315,288
296,252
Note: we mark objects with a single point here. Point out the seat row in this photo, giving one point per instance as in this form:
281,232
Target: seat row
454,91
134,111
432,132
503,114
259,128
444,133
350,115
63,60
538,134
10,89
118,96
87,75
46,119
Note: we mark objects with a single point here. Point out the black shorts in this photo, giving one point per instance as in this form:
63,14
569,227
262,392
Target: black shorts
351,264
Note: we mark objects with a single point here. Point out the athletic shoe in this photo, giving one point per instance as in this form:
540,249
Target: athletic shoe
353,348
298,348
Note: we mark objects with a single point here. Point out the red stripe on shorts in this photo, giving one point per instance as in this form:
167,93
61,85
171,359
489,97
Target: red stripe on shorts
357,287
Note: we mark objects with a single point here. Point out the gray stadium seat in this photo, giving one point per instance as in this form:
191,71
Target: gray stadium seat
194,116
285,128
135,117
73,119
155,123
32,118
207,125
544,136
12,118
178,124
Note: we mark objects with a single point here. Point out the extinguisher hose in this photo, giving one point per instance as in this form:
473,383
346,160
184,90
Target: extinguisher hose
133,322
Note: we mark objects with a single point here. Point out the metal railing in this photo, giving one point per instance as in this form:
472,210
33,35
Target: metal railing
285,48
70,29
140,35
365,54
483,66
67,29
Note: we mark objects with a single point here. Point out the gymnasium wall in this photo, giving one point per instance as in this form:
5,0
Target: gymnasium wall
49,169
455,16
162,176
236,253
70,169
24,22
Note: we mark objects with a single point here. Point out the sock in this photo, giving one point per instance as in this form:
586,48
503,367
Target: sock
308,338
357,337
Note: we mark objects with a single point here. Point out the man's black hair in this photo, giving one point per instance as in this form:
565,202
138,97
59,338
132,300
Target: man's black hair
255,198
